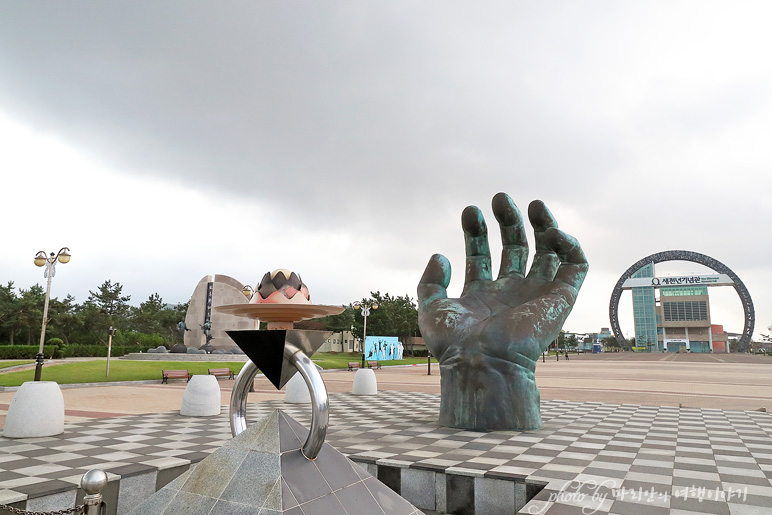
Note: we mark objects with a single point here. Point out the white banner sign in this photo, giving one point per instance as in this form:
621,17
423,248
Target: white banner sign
679,280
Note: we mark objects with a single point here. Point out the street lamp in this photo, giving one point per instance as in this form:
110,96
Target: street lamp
63,256
365,308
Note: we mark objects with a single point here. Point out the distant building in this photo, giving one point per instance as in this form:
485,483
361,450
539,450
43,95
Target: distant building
340,342
683,319
578,341
677,321
644,312
585,341
720,338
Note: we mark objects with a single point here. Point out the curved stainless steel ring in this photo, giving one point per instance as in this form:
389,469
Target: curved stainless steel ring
319,401
238,404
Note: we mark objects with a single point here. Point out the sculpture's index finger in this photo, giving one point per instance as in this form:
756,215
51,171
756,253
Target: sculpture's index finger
475,232
478,252
514,253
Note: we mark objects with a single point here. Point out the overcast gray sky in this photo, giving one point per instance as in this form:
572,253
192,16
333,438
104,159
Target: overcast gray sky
162,141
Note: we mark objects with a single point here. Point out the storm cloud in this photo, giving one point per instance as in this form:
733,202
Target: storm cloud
368,126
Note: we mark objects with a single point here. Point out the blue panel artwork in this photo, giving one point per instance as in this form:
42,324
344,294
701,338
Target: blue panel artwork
383,347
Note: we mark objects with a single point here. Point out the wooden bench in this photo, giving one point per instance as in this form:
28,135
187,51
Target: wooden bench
221,372
373,364
353,364
174,374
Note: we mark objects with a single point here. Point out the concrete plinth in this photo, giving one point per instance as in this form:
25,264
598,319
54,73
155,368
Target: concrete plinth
37,409
296,391
201,397
365,382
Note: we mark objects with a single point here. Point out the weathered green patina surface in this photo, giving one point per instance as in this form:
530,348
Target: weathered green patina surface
488,340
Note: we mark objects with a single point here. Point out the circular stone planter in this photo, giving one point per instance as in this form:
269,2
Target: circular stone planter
37,409
201,397
296,391
365,382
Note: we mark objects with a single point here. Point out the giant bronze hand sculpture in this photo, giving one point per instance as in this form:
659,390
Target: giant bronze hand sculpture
488,340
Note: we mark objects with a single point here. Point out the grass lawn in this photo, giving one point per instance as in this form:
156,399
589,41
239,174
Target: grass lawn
124,370
120,370
329,360
13,363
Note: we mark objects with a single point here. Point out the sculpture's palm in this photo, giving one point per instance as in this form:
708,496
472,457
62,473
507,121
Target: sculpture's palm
488,340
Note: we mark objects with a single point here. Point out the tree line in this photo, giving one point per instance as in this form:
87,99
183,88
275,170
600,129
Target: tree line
395,316
154,322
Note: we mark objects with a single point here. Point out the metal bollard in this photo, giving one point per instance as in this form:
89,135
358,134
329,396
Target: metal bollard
92,483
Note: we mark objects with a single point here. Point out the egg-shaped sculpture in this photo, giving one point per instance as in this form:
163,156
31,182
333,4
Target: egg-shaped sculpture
281,287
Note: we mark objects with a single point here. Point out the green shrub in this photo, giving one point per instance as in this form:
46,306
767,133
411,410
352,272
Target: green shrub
61,347
85,351
122,350
25,351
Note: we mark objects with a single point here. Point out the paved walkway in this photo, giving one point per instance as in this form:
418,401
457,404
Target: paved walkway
731,381
612,419
608,458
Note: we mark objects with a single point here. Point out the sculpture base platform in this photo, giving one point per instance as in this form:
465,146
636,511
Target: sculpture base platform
263,471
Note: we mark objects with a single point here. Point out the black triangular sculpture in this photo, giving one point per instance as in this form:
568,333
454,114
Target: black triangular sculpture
265,349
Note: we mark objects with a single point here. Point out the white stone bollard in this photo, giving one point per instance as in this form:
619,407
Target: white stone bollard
296,391
37,409
201,397
365,382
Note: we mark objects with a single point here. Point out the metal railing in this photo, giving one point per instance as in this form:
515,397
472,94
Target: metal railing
91,483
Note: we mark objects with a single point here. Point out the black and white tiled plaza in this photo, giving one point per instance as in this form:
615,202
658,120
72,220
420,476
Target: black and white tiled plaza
589,457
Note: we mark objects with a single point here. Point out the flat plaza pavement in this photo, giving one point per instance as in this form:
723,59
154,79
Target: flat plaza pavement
717,381
663,423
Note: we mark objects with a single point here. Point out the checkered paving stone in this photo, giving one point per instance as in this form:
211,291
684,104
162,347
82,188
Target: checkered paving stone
617,459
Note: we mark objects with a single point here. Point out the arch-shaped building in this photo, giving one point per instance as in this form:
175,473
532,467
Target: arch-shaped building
687,305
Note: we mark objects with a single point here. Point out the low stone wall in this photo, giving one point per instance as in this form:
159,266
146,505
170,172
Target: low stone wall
433,490
444,492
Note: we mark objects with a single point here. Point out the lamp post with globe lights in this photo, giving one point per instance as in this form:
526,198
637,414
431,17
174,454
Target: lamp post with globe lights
365,308
63,256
